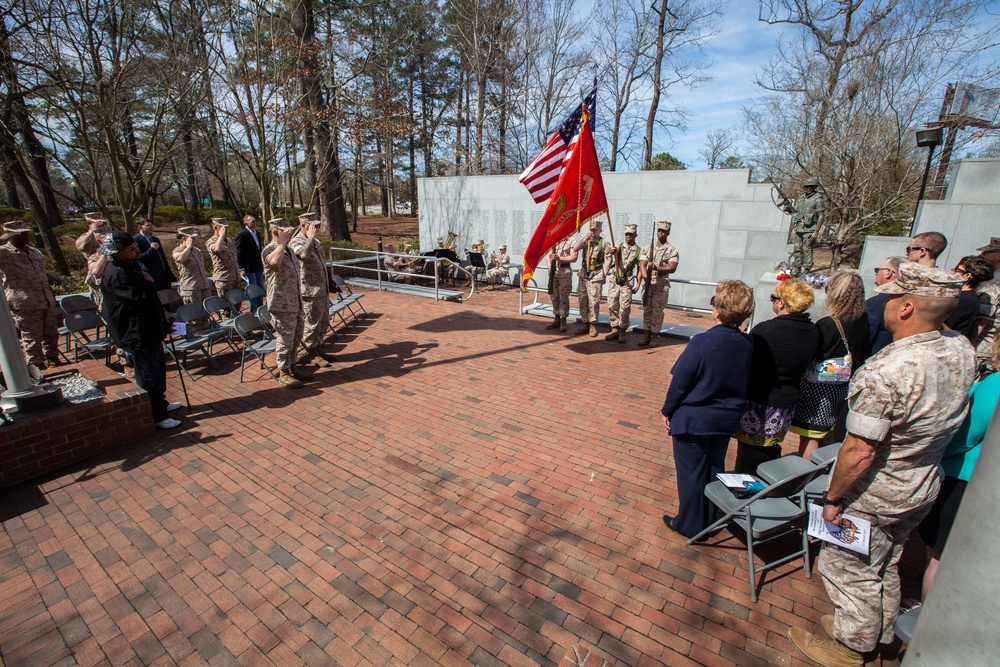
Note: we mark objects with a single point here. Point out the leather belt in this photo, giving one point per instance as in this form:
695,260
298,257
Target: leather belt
565,265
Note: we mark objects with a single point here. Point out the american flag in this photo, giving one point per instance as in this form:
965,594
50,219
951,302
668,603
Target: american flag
541,176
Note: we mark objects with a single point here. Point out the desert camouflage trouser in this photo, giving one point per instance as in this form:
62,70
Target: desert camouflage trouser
865,589
561,289
652,312
39,334
317,319
619,303
223,288
288,329
590,296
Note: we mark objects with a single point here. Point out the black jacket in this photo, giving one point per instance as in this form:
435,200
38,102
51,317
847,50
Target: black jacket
782,349
247,253
154,262
131,308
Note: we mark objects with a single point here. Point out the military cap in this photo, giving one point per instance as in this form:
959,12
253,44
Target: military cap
311,218
188,231
90,217
103,229
664,225
994,244
279,223
811,182
17,227
440,239
631,229
922,280
219,222
503,246
480,242
117,241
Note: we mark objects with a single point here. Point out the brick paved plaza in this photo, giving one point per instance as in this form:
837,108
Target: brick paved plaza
462,487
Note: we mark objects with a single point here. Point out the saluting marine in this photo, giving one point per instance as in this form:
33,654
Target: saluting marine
284,301
625,260
315,287
657,270
193,279
225,272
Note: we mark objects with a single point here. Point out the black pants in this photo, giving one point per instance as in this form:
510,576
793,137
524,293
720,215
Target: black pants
748,457
698,459
151,376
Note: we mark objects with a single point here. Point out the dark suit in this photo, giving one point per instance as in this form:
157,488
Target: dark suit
248,248
878,335
154,262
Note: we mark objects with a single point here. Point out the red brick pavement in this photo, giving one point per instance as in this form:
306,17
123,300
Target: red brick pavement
462,487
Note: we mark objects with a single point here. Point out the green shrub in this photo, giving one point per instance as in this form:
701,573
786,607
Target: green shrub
7,214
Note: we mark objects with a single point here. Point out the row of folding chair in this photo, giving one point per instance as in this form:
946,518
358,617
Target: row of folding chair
780,509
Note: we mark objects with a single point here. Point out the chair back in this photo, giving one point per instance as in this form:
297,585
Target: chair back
83,320
341,283
247,323
74,303
264,315
169,299
786,485
255,291
236,298
217,305
191,311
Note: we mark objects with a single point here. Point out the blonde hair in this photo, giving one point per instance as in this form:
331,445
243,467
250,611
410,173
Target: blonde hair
796,294
734,302
845,295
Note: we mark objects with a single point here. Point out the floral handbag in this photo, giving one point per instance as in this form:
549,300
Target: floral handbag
832,371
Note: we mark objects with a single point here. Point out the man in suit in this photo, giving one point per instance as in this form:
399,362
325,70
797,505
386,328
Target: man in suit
152,259
248,247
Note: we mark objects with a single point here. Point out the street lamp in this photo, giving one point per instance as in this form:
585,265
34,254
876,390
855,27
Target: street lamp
75,197
930,138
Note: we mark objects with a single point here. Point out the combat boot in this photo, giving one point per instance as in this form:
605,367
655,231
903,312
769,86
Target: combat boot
554,324
654,340
593,330
563,324
582,329
826,652
300,372
621,334
646,336
613,335
314,357
286,378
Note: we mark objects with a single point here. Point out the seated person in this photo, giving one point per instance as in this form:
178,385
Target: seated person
499,270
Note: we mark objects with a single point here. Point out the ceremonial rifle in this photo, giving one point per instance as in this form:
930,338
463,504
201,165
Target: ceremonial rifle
649,275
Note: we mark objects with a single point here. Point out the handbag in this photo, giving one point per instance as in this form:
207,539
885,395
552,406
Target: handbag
832,371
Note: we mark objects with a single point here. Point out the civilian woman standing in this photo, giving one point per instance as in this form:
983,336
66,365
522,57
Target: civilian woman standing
782,348
843,347
706,397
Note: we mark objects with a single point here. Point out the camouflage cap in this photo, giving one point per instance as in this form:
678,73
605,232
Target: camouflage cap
631,229
103,229
440,239
922,280
503,246
188,231
279,223
311,218
17,227
811,182
219,222
664,225
90,217
993,245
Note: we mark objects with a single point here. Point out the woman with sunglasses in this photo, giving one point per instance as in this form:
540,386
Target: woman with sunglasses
978,273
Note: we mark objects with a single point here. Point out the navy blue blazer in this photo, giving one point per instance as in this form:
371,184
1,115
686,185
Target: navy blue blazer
708,388
154,262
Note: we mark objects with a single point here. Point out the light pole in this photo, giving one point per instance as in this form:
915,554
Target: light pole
930,138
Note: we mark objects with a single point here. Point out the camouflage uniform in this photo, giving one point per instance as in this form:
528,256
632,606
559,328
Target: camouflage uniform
590,291
563,281
26,286
910,398
285,303
193,279
499,271
989,308
315,287
96,263
224,270
805,221
659,289
620,296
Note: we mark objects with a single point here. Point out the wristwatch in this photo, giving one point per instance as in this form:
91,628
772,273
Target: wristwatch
830,501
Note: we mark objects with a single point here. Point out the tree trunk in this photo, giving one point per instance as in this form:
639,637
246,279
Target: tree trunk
654,103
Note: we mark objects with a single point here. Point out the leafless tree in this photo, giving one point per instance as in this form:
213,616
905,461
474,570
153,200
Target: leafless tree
718,146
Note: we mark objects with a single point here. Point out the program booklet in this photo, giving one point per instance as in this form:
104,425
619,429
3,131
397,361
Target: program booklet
742,486
853,533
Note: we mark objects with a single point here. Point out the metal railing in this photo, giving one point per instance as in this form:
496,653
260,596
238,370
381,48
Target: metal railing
366,257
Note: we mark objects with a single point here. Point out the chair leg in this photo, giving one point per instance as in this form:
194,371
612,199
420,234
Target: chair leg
750,561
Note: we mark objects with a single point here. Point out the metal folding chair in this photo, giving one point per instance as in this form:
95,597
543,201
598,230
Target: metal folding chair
247,325
79,324
236,298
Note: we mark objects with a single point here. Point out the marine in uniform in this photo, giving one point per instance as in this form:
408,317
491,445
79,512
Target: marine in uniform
26,285
222,251
625,260
97,261
314,284
590,279
284,300
193,280
805,212
561,260
90,241
659,267
500,261
905,404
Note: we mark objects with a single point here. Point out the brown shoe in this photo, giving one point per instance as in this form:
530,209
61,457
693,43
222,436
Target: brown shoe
826,652
129,371
654,340
563,324
613,335
554,324
646,336
621,334
582,329
827,622
300,372
315,358
286,378
593,331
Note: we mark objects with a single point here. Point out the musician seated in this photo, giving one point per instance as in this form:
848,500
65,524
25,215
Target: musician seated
499,270
393,266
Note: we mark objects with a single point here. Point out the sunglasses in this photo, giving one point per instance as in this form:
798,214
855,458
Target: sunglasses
774,298
711,301
909,249
880,269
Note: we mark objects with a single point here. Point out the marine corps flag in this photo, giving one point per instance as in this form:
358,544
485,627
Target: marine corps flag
578,196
